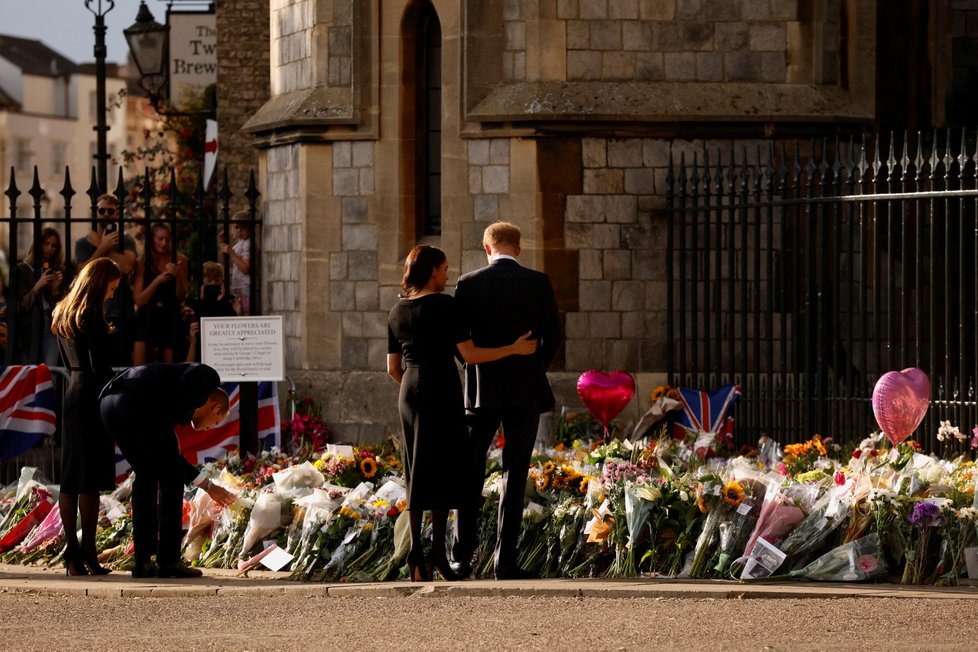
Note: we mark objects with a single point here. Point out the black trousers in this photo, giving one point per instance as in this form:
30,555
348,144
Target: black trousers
157,490
519,424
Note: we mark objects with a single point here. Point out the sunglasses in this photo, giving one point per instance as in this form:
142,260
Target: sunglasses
107,210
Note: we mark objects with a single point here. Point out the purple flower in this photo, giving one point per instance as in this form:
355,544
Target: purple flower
925,515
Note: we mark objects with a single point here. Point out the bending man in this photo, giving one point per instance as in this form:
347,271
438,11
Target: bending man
141,407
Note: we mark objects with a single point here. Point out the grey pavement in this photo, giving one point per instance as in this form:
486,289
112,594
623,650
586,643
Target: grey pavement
41,580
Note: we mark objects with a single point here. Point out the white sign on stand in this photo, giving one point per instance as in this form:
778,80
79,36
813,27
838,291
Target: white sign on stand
244,349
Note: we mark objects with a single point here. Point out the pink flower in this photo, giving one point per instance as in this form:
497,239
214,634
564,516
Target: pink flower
782,469
867,563
974,438
840,478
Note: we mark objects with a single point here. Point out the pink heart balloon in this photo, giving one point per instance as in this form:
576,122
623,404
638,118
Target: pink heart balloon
900,401
606,393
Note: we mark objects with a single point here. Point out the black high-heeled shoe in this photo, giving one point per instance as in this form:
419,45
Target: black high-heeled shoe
440,563
74,564
90,560
417,569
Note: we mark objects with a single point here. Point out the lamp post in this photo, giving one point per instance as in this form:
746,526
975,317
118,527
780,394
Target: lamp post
148,43
101,126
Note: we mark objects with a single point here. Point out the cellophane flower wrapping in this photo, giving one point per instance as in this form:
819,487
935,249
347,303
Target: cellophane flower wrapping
781,511
744,493
298,480
856,561
272,511
826,516
203,512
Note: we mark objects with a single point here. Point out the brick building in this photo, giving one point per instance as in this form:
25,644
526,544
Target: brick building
405,121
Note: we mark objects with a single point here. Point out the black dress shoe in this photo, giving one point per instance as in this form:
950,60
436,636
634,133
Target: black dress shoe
178,570
462,568
141,571
513,573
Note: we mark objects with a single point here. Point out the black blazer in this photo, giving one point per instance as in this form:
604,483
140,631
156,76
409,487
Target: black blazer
499,303
157,397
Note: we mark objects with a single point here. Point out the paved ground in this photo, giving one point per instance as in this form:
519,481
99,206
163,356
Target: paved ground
42,610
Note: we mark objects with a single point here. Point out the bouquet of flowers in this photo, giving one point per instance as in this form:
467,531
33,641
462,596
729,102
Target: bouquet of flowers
851,562
271,511
745,495
307,542
27,513
924,517
716,499
827,515
305,430
958,532
781,511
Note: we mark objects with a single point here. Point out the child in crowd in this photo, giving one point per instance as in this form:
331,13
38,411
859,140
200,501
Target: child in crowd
240,256
213,301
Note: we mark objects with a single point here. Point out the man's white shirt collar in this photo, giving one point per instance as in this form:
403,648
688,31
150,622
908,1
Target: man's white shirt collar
501,256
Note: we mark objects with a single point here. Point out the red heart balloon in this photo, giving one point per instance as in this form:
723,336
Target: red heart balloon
900,401
606,393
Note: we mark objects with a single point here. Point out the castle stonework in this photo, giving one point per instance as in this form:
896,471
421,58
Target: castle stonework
394,123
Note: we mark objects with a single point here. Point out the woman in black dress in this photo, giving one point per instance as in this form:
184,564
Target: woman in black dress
87,451
160,289
425,335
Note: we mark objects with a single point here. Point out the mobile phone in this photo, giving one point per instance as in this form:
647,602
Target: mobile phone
110,227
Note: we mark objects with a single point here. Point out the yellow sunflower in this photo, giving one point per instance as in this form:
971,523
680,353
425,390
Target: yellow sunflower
583,482
733,493
700,502
368,466
548,467
559,482
662,391
541,481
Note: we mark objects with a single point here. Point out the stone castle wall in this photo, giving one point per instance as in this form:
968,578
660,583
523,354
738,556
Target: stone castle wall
242,86
558,115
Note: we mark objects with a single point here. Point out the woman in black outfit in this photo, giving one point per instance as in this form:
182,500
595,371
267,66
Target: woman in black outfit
425,335
87,451
160,289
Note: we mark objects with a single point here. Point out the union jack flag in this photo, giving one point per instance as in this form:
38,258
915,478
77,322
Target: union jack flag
26,408
706,412
204,446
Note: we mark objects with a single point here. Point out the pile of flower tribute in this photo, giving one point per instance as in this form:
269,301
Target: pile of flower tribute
655,508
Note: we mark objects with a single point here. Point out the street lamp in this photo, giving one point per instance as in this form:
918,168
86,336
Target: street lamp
101,126
148,44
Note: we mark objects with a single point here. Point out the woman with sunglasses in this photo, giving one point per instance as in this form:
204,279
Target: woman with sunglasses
101,242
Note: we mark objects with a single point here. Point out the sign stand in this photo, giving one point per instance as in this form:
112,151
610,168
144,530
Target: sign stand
245,350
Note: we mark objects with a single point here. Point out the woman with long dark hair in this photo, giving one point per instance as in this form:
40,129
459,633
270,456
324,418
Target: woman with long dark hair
161,287
87,451
425,335
39,291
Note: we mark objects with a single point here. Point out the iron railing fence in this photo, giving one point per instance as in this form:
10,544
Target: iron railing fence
806,271
196,220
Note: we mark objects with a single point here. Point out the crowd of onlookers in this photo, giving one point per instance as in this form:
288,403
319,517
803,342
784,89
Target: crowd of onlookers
157,308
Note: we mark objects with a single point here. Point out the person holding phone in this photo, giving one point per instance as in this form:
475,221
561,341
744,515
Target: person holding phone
102,242
39,290
160,289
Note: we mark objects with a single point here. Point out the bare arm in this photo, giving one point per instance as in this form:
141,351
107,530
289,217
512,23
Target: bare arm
473,354
394,369
241,263
183,272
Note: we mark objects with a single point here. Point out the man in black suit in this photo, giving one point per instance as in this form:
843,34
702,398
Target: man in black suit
141,407
499,303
